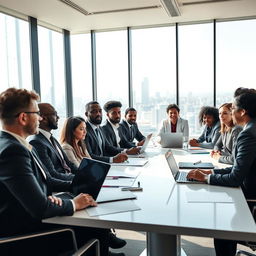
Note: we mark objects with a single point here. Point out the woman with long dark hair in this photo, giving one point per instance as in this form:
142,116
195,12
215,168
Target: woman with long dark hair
72,139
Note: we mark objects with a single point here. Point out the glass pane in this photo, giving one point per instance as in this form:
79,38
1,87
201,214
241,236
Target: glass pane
52,79
236,58
154,74
112,67
81,72
195,71
15,64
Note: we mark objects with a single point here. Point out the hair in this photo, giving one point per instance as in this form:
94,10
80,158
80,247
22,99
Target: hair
170,106
87,106
14,101
241,90
210,111
112,104
247,101
223,127
67,135
128,110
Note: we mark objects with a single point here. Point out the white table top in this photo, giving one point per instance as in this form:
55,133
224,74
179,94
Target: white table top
165,208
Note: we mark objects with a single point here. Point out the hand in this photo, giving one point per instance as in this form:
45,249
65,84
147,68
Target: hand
55,200
193,143
120,158
83,201
140,143
213,152
199,174
216,156
133,151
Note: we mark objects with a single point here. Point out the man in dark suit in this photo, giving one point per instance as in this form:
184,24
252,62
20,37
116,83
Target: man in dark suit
130,128
242,173
111,129
95,140
25,184
48,148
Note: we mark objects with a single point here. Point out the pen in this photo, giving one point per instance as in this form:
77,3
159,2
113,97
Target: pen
106,186
198,162
138,184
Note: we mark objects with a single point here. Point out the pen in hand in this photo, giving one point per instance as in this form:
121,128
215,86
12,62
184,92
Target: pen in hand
198,162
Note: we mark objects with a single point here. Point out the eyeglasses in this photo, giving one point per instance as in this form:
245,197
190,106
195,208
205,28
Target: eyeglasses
29,112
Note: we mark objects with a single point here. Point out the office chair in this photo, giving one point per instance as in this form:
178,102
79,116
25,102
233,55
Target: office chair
77,252
251,245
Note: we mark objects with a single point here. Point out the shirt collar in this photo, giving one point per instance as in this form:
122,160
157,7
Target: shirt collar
94,127
20,139
46,134
129,125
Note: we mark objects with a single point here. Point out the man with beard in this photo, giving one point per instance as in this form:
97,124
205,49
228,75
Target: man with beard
129,127
48,148
111,129
96,143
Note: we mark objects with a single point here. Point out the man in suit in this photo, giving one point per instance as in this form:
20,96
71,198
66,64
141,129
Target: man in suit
111,129
96,143
242,173
48,148
25,184
130,128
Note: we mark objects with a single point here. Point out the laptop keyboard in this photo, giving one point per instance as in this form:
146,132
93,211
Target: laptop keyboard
182,176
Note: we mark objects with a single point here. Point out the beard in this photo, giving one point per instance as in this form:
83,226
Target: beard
96,121
115,121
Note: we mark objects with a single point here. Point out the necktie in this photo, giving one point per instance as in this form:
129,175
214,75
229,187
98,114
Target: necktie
59,154
131,133
99,140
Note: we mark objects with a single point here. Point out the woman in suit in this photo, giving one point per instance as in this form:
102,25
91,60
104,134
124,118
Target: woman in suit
174,123
72,139
229,132
209,116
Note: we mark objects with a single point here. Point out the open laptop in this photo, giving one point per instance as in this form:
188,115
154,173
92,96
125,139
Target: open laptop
171,140
89,178
143,148
179,177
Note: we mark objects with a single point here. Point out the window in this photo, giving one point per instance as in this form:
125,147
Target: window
81,72
15,64
154,74
112,67
195,71
236,58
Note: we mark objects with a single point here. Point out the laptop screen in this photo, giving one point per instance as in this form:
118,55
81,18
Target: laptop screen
172,163
90,177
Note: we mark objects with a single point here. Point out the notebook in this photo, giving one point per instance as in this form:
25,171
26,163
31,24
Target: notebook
171,140
179,177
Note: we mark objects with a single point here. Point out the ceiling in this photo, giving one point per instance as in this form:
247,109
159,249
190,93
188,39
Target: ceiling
109,14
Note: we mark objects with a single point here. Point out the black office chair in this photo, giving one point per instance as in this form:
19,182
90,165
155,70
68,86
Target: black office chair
251,245
76,251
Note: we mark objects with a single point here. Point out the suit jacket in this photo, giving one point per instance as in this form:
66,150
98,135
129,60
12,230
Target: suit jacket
243,172
182,127
50,157
24,190
93,148
125,129
226,144
111,137
213,135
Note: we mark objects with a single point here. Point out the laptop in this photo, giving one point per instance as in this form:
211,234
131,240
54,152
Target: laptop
171,140
89,178
179,177
143,148
196,165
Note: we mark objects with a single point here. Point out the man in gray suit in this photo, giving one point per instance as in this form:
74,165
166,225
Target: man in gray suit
242,173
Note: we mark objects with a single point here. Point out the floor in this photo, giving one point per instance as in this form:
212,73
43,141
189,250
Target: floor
193,246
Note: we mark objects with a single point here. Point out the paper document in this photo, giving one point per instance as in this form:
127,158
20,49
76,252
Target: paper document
114,194
132,162
113,207
121,182
210,197
197,150
124,174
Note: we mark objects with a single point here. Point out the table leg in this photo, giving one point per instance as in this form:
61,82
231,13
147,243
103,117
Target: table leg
163,244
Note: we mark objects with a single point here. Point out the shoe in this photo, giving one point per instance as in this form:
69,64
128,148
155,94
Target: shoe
115,242
116,254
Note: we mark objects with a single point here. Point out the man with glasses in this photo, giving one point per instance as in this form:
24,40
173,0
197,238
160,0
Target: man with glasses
25,183
48,148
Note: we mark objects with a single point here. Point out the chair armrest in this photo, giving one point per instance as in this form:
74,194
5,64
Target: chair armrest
44,233
85,247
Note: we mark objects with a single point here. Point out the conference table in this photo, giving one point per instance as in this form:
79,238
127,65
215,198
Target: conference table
167,212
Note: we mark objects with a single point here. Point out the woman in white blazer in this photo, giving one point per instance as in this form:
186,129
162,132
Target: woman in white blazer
174,123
